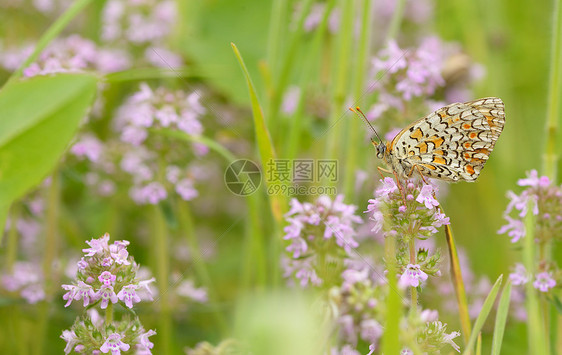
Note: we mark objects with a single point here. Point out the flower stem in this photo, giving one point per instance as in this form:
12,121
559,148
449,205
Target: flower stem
413,290
49,256
340,77
199,265
396,20
109,313
535,332
160,242
354,131
390,343
12,245
550,157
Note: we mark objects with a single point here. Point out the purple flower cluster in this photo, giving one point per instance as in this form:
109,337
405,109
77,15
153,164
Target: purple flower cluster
106,275
90,334
142,26
320,230
418,219
544,200
137,155
543,281
70,54
410,73
360,303
159,109
410,82
26,279
147,21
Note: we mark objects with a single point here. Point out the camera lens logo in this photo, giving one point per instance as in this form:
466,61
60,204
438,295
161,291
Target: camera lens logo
243,177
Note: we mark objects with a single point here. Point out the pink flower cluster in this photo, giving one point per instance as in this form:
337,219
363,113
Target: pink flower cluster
70,54
98,272
325,226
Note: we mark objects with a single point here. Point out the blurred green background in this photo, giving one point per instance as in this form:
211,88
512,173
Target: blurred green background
510,39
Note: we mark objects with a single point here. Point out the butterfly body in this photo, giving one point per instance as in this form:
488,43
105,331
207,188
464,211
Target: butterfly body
451,144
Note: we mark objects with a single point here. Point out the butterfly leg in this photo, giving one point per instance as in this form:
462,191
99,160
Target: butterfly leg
381,170
417,167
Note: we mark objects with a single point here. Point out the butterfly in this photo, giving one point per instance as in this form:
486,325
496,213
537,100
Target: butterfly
451,144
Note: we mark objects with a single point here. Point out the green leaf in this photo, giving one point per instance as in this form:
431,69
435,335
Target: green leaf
38,118
207,27
486,308
501,317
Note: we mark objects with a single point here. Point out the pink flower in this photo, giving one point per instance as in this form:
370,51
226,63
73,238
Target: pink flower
107,294
143,342
185,189
71,340
129,295
107,278
534,180
519,276
88,146
97,246
412,276
426,197
114,344
188,289
544,282
388,187
515,229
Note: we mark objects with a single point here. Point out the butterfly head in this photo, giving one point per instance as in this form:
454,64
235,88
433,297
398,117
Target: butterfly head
381,149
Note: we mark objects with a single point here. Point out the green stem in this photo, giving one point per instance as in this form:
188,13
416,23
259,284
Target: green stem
535,328
550,158
282,79
414,291
292,144
186,221
51,33
341,77
12,245
354,132
109,313
160,243
396,20
49,256
255,266
390,339
277,21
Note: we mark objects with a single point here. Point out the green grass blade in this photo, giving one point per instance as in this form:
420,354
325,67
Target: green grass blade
479,345
501,318
486,308
456,277
265,145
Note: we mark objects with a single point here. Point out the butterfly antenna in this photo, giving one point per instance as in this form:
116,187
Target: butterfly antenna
362,115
